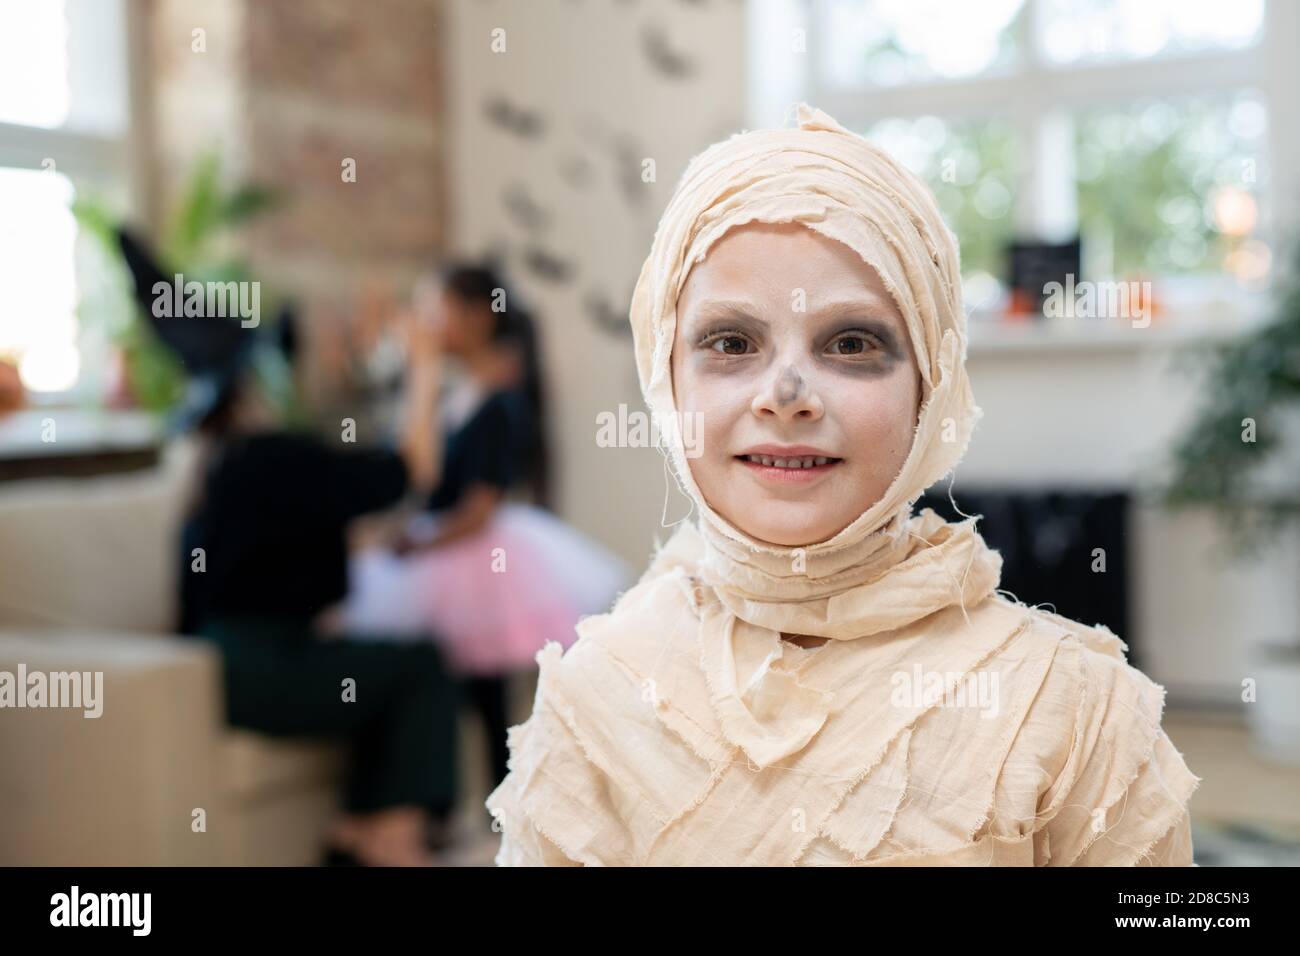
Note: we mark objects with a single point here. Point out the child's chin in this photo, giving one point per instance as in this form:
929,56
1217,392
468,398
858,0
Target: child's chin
792,531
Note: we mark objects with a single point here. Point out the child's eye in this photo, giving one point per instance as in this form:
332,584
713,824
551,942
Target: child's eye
854,343
733,343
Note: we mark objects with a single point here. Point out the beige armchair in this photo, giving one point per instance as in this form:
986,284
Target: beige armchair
87,584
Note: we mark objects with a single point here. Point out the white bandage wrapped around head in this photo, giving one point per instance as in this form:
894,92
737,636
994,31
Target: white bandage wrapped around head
837,183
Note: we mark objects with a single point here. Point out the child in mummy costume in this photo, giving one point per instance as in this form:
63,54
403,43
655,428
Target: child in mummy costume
809,673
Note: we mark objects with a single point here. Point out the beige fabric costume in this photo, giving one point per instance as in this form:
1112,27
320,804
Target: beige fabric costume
680,729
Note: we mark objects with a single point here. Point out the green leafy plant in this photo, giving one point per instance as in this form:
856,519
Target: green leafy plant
1220,459
205,216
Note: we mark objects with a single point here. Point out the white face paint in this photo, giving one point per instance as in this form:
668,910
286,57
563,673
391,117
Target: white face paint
837,381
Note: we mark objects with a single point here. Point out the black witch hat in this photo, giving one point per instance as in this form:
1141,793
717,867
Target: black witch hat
215,350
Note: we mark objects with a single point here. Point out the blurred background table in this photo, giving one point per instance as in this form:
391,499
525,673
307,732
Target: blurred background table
62,442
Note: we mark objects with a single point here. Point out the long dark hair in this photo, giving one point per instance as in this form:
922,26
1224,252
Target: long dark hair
477,284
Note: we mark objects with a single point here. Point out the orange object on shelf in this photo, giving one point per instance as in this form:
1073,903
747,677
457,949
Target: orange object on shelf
1022,307
1143,299
13,396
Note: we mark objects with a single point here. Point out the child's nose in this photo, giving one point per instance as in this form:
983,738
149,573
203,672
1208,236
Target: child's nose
786,392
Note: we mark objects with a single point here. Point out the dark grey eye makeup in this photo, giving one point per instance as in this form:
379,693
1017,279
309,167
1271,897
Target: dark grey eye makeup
874,341
849,337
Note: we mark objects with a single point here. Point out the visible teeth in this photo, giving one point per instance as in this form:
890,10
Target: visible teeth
771,462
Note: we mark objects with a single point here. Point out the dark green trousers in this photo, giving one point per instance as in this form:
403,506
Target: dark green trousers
400,714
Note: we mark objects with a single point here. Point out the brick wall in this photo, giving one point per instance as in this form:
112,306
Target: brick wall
289,90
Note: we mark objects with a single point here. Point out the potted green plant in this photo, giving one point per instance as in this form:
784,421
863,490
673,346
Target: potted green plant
1238,456
193,244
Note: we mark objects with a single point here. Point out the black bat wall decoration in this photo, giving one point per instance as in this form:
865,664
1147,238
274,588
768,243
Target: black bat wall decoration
512,119
525,210
662,57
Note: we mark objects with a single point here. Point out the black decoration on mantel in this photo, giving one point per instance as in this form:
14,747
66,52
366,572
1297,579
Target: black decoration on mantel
513,119
605,315
662,57
546,265
524,210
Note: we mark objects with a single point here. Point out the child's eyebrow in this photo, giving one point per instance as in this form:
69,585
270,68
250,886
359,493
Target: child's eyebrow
726,309
740,310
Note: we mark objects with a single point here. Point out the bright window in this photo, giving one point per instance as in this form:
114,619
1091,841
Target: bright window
1079,31
63,128
1143,126
1171,186
34,63
37,278
893,42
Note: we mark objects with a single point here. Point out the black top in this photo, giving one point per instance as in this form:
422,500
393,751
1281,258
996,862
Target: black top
484,450
272,524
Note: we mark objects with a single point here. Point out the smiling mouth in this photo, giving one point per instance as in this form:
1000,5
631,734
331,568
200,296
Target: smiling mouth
796,469
795,463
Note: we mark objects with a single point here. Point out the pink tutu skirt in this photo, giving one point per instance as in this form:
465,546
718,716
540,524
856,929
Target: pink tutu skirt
491,600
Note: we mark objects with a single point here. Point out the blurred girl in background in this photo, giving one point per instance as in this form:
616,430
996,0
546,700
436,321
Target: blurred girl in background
488,575
263,558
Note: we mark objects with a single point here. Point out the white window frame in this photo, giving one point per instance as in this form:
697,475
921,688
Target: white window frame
1038,98
107,31
106,40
